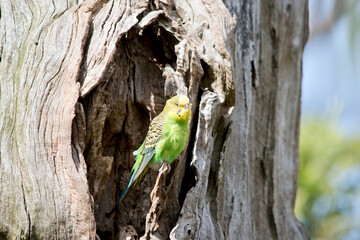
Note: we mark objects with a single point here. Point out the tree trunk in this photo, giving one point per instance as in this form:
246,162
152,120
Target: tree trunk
80,83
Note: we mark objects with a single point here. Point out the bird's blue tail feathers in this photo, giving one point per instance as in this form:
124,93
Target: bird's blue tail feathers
121,197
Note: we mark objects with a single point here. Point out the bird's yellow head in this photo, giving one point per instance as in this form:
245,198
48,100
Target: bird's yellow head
178,107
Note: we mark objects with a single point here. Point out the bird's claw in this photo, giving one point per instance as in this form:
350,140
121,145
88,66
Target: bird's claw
165,166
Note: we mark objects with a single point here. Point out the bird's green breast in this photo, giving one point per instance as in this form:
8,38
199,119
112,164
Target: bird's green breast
175,135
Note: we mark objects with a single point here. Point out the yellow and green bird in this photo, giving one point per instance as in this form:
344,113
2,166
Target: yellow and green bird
165,140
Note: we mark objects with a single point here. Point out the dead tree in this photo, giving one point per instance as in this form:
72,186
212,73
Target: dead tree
81,80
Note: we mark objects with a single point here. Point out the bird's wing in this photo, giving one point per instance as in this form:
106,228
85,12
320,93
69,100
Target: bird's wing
154,134
147,152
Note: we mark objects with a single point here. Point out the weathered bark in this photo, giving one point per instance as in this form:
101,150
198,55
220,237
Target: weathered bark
80,83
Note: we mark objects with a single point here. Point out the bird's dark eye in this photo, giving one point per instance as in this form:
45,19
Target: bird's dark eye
177,105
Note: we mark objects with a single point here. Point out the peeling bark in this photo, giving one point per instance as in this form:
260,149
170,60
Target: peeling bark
80,83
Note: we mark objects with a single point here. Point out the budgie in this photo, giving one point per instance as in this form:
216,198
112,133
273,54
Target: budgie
165,140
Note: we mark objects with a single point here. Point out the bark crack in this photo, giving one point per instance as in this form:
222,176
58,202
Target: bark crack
245,94
268,155
83,67
25,206
190,174
213,179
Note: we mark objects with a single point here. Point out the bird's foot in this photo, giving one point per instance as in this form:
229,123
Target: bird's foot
165,166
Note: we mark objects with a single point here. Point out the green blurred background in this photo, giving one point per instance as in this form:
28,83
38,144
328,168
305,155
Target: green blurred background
328,196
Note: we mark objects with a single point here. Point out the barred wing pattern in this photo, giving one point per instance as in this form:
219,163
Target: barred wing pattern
152,138
154,134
